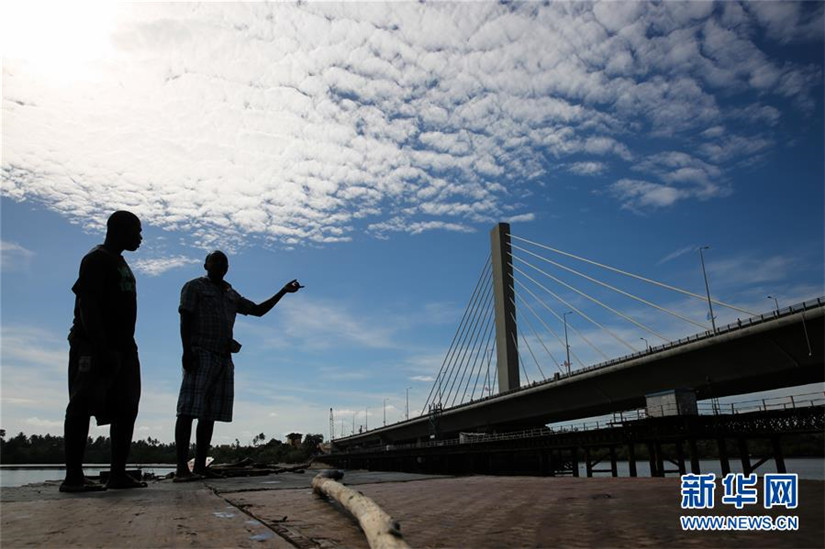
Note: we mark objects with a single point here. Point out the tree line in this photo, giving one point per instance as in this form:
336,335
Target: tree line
48,449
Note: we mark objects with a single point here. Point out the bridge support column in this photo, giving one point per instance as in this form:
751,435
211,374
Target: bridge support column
744,456
614,470
694,456
680,457
723,456
631,458
651,459
778,457
587,465
574,459
505,298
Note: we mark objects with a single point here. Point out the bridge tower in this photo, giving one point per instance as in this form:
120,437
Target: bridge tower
505,309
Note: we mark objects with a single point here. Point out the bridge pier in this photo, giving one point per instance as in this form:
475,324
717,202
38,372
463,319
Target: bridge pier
680,457
614,471
744,456
631,458
694,456
651,458
721,443
778,457
575,459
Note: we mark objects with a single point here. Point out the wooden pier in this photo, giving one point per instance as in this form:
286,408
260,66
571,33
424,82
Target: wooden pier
476,511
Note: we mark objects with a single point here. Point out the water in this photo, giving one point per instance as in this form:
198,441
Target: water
20,475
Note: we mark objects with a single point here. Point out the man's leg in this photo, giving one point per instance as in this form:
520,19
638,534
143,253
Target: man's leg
183,434
75,433
126,391
120,433
203,438
76,429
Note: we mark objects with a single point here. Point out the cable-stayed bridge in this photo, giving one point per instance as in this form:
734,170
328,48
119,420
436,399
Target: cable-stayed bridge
542,342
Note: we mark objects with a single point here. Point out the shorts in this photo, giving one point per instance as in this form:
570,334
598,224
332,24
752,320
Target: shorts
207,392
107,392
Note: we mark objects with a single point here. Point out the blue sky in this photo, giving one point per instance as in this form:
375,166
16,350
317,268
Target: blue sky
367,149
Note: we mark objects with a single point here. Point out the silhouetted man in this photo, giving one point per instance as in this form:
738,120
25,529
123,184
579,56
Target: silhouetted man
208,306
104,372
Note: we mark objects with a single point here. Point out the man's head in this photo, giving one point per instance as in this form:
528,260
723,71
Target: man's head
216,265
123,230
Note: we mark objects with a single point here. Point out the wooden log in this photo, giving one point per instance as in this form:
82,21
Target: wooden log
381,530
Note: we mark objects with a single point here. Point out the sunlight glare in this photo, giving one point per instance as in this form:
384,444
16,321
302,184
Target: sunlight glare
62,41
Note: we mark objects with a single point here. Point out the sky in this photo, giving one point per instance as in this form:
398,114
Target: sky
367,149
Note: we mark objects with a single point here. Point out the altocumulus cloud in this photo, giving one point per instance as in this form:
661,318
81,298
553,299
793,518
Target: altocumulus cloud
159,265
294,122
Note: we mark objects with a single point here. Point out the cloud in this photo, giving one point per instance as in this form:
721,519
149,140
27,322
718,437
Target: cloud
745,269
789,22
677,253
14,257
159,265
522,218
32,346
587,168
636,194
423,379
311,122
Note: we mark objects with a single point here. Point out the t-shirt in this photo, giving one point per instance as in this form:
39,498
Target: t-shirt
213,310
106,277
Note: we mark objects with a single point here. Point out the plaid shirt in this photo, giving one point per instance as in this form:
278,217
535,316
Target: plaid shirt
213,312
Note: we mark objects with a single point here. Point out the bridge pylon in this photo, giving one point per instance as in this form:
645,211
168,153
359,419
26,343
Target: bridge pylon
505,309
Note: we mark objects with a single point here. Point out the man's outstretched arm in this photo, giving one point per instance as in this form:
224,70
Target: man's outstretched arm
260,309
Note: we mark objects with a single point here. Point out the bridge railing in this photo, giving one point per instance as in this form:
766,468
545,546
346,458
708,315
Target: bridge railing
738,325
713,407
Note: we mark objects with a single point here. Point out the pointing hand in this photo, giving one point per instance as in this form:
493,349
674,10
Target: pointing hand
292,287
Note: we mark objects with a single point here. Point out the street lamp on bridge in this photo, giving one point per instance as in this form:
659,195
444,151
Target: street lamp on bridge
566,344
408,401
647,345
707,288
775,302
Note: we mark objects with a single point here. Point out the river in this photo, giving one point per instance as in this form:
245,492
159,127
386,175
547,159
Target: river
19,475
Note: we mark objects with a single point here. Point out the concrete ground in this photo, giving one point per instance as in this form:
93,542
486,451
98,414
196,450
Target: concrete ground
479,511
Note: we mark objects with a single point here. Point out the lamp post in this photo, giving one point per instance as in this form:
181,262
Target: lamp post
566,344
408,401
775,302
707,287
366,419
647,345
385,412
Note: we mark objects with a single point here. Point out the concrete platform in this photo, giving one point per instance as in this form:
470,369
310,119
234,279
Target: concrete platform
480,511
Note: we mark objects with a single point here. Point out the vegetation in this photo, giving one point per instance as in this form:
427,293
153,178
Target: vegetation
48,449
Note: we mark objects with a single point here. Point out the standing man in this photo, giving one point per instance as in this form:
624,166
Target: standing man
104,372
208,306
